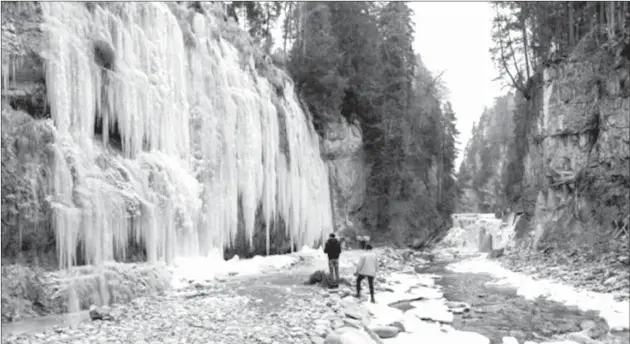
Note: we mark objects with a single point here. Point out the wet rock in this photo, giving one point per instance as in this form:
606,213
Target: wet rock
100,313
496,253
399,325
386,331
594,329
458,307
373,335
333,338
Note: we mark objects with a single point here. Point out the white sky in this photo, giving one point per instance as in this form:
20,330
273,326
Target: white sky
454,37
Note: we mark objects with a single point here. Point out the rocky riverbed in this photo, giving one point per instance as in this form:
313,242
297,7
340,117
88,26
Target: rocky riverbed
603,273
418,300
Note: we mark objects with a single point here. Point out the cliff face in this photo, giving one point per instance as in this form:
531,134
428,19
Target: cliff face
342,149
485,157
578,161
567,162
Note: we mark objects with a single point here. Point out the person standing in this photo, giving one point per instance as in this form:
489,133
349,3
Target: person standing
333,250
367,269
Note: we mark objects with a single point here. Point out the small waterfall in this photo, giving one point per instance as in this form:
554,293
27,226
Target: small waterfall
193,139
477,226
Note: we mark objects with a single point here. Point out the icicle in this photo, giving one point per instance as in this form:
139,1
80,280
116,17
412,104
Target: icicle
199,134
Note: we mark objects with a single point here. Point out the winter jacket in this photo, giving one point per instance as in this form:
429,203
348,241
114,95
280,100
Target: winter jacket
332,248
368,264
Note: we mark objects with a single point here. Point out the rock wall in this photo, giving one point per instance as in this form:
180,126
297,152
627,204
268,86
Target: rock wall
342,150
577,171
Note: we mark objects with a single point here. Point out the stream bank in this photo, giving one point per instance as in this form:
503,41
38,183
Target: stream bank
497,311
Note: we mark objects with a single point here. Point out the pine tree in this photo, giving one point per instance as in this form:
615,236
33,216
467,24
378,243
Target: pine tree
314,64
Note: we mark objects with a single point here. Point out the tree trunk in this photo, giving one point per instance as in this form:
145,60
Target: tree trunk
440,165
287,25
571,25
592,11
526,48
303,8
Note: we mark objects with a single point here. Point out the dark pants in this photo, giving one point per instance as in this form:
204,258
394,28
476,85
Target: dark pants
362,244
333,266
370,283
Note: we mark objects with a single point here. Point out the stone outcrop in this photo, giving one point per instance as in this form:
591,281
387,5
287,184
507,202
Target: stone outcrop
577,170
342,150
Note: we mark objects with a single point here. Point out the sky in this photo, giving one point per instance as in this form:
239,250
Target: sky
454,38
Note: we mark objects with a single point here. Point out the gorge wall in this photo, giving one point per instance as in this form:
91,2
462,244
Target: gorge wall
342,149
573,154
579,153
152,131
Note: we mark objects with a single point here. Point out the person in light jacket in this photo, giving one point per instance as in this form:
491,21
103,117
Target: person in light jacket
367,268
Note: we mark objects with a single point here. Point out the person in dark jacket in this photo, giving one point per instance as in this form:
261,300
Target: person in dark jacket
333,250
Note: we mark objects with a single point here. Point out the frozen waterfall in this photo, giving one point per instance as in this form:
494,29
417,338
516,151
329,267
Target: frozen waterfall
201,144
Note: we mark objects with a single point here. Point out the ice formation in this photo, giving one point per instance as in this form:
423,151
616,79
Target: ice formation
199,130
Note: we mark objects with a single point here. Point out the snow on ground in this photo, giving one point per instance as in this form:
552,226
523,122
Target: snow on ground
199,269
616,313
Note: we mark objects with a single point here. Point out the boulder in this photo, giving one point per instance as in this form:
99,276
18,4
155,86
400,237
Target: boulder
497,253
399,325
458,307
100,313
594,329
386,331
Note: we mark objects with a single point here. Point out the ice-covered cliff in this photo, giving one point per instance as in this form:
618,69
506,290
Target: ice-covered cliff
169,136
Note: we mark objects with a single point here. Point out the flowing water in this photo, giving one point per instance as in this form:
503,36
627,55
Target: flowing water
497,311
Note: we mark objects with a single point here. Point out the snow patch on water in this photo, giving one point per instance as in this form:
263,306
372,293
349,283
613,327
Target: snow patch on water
616,313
